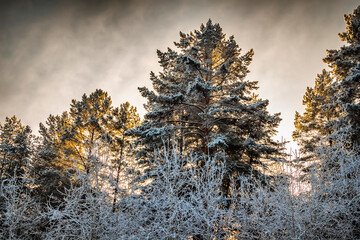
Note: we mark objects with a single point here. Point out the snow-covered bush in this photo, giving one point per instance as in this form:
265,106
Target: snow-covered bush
331,209
182,200
83,214
185,201
19,213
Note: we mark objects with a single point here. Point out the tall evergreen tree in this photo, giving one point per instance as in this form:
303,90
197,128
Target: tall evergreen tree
16,148
76,136
88,138
310,127
16,156
338,165
49,170
204,104
124,118
345,65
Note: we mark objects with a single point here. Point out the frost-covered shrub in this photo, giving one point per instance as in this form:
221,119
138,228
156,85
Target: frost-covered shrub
83,214
185,201
182,200
331,209
19,215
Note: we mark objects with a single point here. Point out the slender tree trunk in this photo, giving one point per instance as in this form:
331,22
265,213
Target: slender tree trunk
117,178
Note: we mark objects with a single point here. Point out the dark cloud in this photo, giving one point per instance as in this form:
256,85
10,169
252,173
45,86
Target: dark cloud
53,51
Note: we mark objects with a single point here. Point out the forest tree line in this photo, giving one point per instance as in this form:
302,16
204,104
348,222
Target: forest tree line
202,164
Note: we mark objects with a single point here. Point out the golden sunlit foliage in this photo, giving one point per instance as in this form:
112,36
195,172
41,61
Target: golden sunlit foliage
92,126
310,127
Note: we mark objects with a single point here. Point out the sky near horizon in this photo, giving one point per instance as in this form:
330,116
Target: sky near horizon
52,51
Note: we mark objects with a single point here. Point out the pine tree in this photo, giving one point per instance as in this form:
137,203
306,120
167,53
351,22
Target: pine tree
76,137
339,160
87,139
49,171
345,65
202,103
124,118
16,156
16,148
310,127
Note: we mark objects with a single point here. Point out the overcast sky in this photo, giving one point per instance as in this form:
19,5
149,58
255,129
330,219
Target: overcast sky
53,51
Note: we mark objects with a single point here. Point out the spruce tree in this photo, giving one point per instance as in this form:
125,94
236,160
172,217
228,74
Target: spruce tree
345,66
16,148
16,155
202,103
338,159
